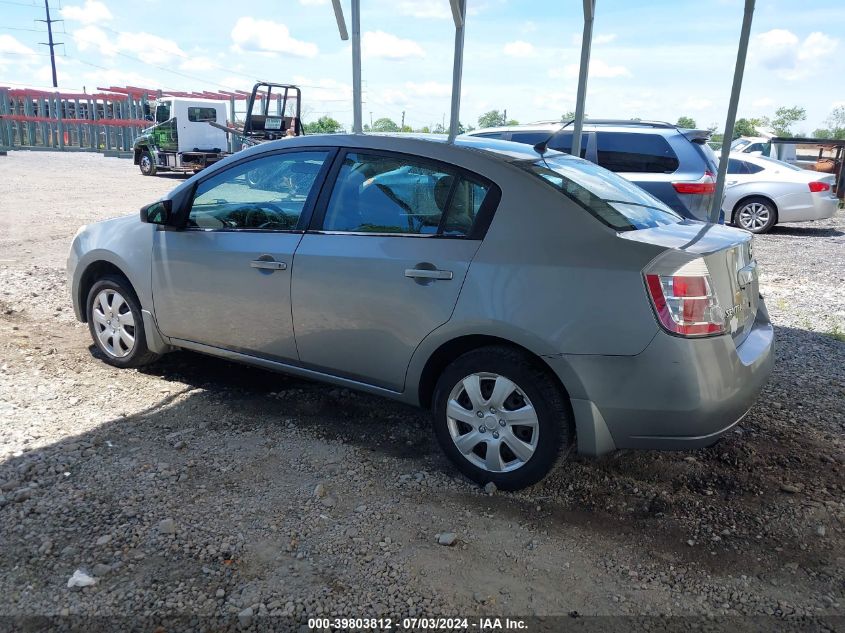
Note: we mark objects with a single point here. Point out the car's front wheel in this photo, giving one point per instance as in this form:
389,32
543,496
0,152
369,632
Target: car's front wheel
501,418
757,215
116,324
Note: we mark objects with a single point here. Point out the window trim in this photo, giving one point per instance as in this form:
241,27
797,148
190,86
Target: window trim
307,209
482,219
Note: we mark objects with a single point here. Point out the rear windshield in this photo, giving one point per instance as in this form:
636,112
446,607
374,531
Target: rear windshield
610,198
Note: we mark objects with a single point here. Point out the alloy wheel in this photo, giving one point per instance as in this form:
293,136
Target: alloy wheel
492,422
114,323
754,216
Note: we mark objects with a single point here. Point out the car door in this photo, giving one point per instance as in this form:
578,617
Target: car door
384,261
224,279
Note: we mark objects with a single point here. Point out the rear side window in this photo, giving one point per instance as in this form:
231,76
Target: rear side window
562,142
388,194
498,135
197,115
611,199
742,167
635,153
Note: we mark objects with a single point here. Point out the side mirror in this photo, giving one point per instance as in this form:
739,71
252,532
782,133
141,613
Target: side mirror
157,212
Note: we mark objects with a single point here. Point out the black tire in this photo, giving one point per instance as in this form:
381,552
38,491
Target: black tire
555,426
762,205
139,354
147,163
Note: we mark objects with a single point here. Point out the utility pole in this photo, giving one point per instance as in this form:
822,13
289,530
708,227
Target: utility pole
50,42
402,127
505,117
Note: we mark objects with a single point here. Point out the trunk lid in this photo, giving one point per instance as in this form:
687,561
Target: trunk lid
728,254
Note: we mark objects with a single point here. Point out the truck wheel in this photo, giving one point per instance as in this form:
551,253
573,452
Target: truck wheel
147,163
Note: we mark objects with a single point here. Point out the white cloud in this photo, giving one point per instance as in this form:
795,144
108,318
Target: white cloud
763,102
386,46
89,13
146,46
782,52
519,48
429,89
598,70
150,48
9,44
266,36
93,37
197,63
322,90
696,103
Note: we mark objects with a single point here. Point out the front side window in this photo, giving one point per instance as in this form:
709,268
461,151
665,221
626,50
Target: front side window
267,193
616,202
635,153
387,194
197,115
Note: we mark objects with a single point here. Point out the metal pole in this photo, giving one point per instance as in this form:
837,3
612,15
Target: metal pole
50,42
356,67
581,97
732,107
459,8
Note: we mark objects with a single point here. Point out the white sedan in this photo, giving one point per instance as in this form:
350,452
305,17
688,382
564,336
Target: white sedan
760,192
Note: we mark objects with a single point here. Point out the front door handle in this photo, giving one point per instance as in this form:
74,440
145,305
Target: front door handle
424,273
268,264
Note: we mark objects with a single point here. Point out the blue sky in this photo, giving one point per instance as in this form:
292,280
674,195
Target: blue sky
658,59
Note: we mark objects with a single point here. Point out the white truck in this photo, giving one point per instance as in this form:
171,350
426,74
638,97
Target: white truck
181,139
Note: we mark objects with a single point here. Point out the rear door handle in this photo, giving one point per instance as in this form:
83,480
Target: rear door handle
268,264
423,273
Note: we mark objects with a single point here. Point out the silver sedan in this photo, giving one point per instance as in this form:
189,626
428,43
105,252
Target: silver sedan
535,303
761,192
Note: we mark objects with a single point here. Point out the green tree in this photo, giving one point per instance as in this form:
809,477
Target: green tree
439,129
746,127
323,125
385,125
686,121
492,118
836,122
785,117
424,130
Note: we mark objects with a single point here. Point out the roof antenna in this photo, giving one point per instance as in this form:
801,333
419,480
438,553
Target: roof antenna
542,146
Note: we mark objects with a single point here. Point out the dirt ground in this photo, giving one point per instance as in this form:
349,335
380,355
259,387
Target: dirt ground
203,489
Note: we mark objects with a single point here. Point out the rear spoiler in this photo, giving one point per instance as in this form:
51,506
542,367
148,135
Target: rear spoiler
697,136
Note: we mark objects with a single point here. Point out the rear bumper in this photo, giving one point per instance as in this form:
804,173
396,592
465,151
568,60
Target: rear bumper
677,394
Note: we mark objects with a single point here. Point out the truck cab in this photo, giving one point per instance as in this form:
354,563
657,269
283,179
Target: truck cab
182,139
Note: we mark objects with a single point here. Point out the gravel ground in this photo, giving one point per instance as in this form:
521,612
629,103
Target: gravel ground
207,490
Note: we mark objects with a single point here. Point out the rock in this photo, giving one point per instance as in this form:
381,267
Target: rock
101,569
180,444
103,540
447,538
221,593
361,508
245,617
490,488
320,491
81,579
790,488
821,530
167,526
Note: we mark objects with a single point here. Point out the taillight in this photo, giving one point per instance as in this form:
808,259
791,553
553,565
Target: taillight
817,186
705,185
685,302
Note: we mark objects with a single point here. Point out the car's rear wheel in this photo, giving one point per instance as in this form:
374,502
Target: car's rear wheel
500,417
116,324
147,164
757,215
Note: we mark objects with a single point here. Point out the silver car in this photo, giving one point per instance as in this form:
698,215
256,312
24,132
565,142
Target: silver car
533,302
